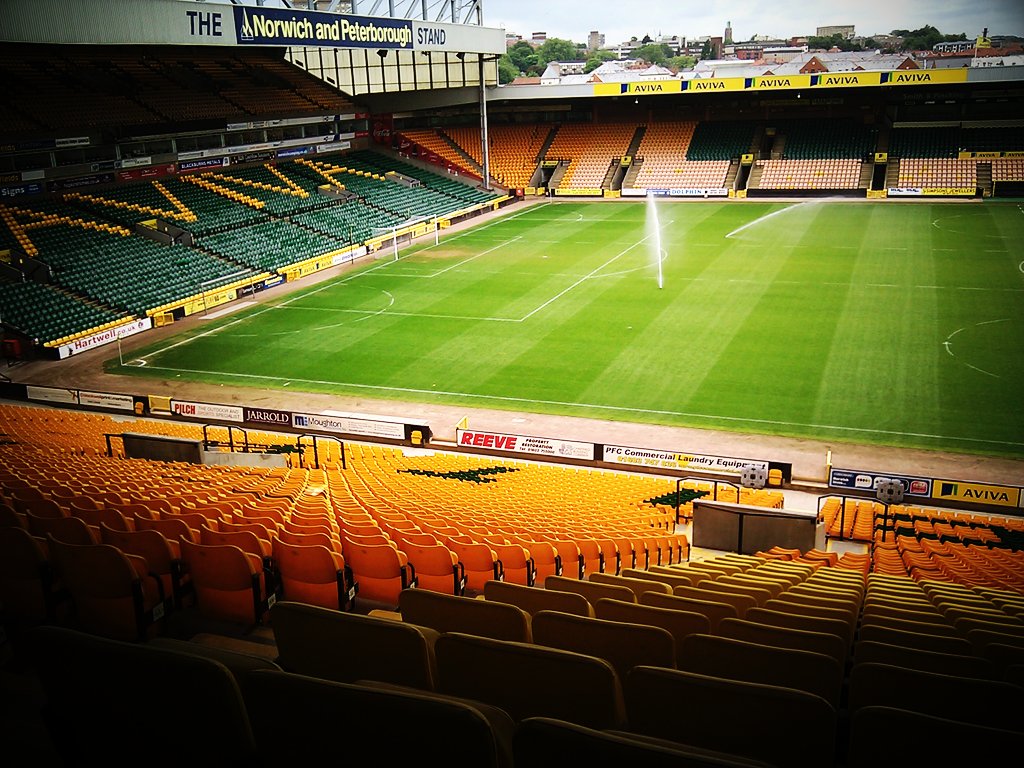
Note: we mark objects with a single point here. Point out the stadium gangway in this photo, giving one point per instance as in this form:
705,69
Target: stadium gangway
316,451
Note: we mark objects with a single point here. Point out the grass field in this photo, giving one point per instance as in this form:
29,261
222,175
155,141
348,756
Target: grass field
886,323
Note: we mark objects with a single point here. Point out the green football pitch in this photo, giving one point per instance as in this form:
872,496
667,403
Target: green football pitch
892,323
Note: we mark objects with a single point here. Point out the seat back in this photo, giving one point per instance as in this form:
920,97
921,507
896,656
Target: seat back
229,584
96,516
70,530
347,647
458,613
112,597
779,725
516,562
132,688
640,587
754,662
156,550
623,644
741,602
534,599
678,623
414,725
173,529
11,518
962,665
938,643
785,637
674,576
480,564
592,590
543,742
714,611
529,680
968,699
245,540
313,573
761,591
437,567
880,737
40,506
831,626
28,589
381,570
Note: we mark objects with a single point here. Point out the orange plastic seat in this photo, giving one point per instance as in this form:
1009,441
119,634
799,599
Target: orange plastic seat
173,529
437,567
517,564
162,560
70,530
96,516
480,564
333,543
113,593
313,574
229,583
10,518
381,570
29,589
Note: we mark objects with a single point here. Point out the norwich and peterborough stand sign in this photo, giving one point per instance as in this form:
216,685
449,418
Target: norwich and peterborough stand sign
283,26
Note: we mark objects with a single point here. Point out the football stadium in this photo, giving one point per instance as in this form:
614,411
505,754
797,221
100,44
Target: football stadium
636,415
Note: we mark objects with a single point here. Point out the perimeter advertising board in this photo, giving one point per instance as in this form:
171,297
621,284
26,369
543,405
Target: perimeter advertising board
978,493
677,460
861,480
537,446
349,425
207,411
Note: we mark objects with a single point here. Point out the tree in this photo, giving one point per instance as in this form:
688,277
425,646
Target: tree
833,41
653,53
705,52
679,63
597,58
522,56
507,71
925,38
555,49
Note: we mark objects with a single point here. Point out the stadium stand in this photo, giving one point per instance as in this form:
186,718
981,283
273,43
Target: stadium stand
820,608
829,657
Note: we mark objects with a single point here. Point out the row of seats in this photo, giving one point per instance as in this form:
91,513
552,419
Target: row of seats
504,703
239,219
688,174
849,519
947,141
810,174
818,139
937,172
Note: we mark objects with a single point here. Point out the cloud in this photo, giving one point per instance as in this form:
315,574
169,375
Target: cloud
574,19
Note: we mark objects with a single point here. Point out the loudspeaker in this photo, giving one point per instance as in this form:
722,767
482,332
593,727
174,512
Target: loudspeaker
889,491
753,476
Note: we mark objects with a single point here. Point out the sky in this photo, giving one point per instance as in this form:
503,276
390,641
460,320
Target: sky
574,19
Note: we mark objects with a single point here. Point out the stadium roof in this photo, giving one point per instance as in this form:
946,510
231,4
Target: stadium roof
183,22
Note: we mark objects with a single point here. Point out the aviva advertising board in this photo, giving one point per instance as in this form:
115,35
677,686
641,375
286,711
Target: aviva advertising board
784,83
